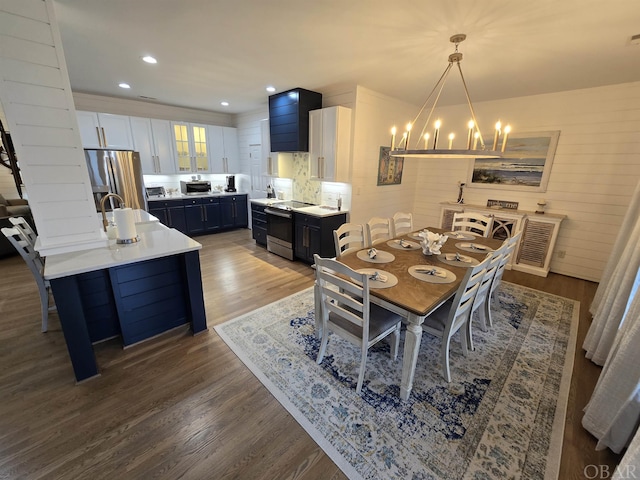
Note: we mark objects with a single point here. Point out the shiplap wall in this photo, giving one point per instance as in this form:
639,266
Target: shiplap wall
594,173
37,102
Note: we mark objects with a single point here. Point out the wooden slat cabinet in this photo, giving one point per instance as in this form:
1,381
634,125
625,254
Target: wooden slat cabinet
539,234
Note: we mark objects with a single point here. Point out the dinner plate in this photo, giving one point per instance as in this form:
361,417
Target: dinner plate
391,278
461,236
449,276
406,245
450,259
474,247
381,256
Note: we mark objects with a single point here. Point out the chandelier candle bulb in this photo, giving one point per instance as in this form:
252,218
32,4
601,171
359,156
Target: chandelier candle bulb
451,137
393,138
470,125
507,129
435,134
495,137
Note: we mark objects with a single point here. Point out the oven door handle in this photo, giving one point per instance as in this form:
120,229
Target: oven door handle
278,213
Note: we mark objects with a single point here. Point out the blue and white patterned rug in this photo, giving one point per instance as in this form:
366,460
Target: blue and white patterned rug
502,416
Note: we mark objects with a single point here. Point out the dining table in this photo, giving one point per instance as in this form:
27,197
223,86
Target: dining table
412,294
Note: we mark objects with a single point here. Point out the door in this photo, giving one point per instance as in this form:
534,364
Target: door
258,184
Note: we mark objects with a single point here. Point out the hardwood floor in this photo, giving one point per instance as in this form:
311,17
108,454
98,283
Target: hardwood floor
180,406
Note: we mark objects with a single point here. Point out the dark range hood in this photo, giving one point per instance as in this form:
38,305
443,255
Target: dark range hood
289,119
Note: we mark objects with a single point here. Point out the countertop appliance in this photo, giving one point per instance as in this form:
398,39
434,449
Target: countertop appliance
195,187
155,192
280,227
119,172
231,184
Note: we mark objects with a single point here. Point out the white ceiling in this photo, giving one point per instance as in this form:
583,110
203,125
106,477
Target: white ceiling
214,50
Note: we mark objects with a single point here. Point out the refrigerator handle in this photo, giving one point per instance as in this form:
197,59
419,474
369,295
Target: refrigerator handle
98,135
112,175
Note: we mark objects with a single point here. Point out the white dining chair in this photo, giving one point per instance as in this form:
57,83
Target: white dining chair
345,310
452,316
481,304
401,224
472,222
23,226
349,237
509,250
378,230
36,266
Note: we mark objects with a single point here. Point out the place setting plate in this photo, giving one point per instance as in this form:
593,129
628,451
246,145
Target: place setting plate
387,280
473,247
440,275
461,236
381,256
403,244
457,260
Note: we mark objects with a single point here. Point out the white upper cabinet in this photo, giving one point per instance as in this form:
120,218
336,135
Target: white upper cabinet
153,140
104,130
191,147
274,164
223,144
330,144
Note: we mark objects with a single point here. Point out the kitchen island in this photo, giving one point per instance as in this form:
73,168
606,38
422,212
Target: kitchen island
135,291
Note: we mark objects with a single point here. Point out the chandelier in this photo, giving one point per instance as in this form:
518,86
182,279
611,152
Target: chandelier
476,147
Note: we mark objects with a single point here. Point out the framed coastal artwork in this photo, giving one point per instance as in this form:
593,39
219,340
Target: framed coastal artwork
525,164
389,168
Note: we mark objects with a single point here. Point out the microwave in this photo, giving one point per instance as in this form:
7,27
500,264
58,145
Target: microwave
199,187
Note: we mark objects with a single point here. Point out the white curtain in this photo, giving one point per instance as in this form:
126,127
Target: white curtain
628,467
613,412
615,287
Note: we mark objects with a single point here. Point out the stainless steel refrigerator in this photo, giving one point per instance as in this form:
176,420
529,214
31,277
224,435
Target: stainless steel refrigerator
119,172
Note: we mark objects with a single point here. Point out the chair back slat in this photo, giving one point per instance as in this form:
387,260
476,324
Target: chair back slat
378,230
472,222
349,237
401,224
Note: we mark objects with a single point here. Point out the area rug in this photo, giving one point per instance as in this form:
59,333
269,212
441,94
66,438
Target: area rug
502,416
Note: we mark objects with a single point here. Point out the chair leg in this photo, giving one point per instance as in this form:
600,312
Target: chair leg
44,308
444,358
469,333
487,309
323,347
363,364
395,343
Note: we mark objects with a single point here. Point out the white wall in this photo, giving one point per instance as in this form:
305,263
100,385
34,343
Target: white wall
37,102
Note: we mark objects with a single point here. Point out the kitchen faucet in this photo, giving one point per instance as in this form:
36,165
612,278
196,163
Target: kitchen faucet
105,222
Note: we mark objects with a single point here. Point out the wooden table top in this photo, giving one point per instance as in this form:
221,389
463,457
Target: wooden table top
411,294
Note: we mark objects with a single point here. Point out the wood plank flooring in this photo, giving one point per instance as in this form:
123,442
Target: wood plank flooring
180,406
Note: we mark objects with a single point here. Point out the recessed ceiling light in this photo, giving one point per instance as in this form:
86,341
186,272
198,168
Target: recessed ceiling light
271,89
149,59
124,85
224,104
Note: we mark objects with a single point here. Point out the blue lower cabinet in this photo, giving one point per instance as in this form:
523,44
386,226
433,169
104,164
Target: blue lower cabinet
138,301
234,211
169,212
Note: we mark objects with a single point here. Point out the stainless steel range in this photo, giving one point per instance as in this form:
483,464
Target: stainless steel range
280,228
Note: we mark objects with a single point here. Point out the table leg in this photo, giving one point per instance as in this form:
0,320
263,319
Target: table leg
412,340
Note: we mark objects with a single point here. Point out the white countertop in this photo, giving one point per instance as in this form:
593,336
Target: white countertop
156,240
140,217
315,210
199,195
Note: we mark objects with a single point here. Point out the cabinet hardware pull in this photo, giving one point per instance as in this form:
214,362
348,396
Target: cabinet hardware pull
104,137
98,134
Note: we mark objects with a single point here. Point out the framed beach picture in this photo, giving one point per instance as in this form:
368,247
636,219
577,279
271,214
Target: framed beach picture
389,168
525,164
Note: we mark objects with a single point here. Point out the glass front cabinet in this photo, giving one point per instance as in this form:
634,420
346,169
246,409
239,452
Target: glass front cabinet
192,152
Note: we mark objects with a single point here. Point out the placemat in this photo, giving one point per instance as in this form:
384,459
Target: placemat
462,236
406,245
425,277
381,256
474,247
391,278
450,259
